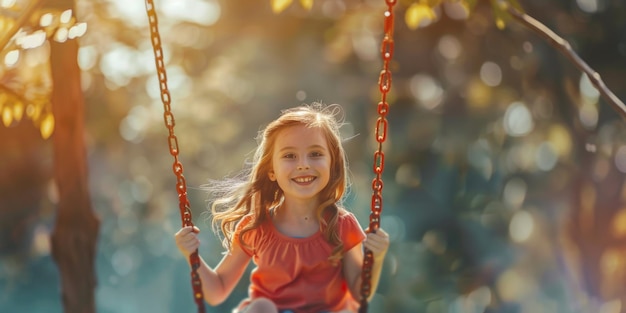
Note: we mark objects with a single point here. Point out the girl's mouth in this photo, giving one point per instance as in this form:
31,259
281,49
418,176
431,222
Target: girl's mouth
304,179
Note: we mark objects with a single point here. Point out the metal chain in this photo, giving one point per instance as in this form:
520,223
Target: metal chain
384,85
177,166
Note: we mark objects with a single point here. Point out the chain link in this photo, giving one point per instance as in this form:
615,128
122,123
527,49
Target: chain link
177,166
384,85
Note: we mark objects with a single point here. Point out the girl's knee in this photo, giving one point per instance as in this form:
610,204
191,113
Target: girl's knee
261,305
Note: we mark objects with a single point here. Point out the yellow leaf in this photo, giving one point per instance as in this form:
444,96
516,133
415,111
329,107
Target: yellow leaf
500,23
499,13
307,4
7,116
280,5
419,15
18,111
47,126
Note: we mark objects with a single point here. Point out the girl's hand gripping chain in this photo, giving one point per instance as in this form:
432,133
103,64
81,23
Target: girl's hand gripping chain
187,240
378,243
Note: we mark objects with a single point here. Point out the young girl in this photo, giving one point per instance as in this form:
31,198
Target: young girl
287,217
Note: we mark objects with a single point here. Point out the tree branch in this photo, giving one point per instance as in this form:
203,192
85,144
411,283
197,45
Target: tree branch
564,47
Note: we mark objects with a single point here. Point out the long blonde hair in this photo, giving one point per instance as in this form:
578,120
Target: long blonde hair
253,194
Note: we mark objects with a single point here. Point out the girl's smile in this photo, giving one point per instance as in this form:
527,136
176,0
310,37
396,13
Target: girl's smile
304,180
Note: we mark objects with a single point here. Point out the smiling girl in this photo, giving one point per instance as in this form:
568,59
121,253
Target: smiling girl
287,216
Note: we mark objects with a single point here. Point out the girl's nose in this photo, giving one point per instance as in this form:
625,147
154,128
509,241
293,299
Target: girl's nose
303,167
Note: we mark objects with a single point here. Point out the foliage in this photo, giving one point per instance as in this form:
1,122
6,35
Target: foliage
421,13
24,74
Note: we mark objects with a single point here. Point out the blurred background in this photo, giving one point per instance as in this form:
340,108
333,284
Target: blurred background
504,170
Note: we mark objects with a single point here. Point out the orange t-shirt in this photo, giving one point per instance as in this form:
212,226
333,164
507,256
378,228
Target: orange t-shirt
295,273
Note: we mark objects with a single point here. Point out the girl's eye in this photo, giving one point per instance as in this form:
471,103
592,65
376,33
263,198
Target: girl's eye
316,154
289,156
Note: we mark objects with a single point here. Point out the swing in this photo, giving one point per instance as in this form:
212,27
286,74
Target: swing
384,86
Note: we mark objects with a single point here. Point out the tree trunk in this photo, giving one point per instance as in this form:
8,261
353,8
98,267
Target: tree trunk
76,229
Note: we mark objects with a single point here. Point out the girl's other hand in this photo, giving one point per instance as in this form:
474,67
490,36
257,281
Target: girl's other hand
187,240
378,243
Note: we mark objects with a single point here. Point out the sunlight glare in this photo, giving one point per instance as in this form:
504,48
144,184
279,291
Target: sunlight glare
41,240
121,63
560,140
491,74
365,46
514,285
61,34
46,20
132,12
587,89
456,10
11,58
589,6
521,226
77,30
87,57
518,121
134,124
426,90
449,47
589,115
66,16
515,192
7,3
545,156
205,13
33,40
620,159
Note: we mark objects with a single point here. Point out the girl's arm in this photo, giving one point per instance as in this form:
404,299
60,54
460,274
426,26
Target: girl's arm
218,283
378,243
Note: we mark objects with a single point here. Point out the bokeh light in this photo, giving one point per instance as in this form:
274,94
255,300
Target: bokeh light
426,90
521,226
491,74
517,120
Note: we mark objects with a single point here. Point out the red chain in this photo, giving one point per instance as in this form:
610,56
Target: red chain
384,85
177,167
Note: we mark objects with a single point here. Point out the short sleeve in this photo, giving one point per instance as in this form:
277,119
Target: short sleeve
350,231
248,238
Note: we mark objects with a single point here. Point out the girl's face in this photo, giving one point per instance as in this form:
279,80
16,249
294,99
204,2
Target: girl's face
300,162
